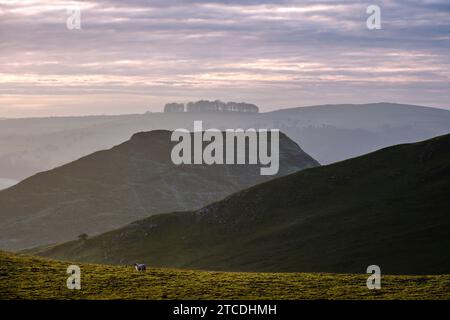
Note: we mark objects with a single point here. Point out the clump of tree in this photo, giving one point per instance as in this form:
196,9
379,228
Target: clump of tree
211,106
174,107
83,237
219,106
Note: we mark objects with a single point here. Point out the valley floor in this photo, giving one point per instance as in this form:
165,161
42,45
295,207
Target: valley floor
27,277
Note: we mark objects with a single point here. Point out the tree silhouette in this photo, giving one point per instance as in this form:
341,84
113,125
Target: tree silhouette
83,237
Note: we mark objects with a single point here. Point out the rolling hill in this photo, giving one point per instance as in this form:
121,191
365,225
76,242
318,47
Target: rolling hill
26,277
332,133
329,133
389,208
111,188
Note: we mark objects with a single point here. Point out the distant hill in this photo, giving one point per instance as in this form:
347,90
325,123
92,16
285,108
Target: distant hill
26,277
389,208
332,133
111,188
328,133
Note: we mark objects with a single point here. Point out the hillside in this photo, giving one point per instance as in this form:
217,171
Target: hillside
328,133
337,132
25,277
388,208
111,188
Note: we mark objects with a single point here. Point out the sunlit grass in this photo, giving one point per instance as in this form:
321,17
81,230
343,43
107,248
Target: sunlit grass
26,277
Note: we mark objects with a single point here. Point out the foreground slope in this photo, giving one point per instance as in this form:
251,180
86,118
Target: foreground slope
111,188
25,277
389,208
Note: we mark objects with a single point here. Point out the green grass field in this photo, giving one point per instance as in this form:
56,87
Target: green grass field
27,277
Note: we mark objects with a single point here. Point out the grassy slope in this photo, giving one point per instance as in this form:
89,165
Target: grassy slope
112,188
26,277
388,208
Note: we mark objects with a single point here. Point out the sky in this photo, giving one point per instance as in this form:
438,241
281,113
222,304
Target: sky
134,56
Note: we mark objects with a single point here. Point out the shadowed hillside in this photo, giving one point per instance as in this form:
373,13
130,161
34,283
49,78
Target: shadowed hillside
389,208
112,188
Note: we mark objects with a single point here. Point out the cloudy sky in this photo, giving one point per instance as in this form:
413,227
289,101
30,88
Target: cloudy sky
136,55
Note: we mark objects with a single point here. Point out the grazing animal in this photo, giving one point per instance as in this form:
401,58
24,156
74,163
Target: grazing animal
140,267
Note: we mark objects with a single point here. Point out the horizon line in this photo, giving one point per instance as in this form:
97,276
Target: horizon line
147,112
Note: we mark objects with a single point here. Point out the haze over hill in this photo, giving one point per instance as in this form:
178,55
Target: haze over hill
6,183
388,208
328,133
111,188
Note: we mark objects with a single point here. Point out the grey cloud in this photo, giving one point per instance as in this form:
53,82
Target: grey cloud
177,46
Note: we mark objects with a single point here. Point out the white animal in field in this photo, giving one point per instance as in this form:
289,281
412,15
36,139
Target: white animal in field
140,267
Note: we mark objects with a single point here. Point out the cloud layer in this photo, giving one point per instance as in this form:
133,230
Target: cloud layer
131,56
